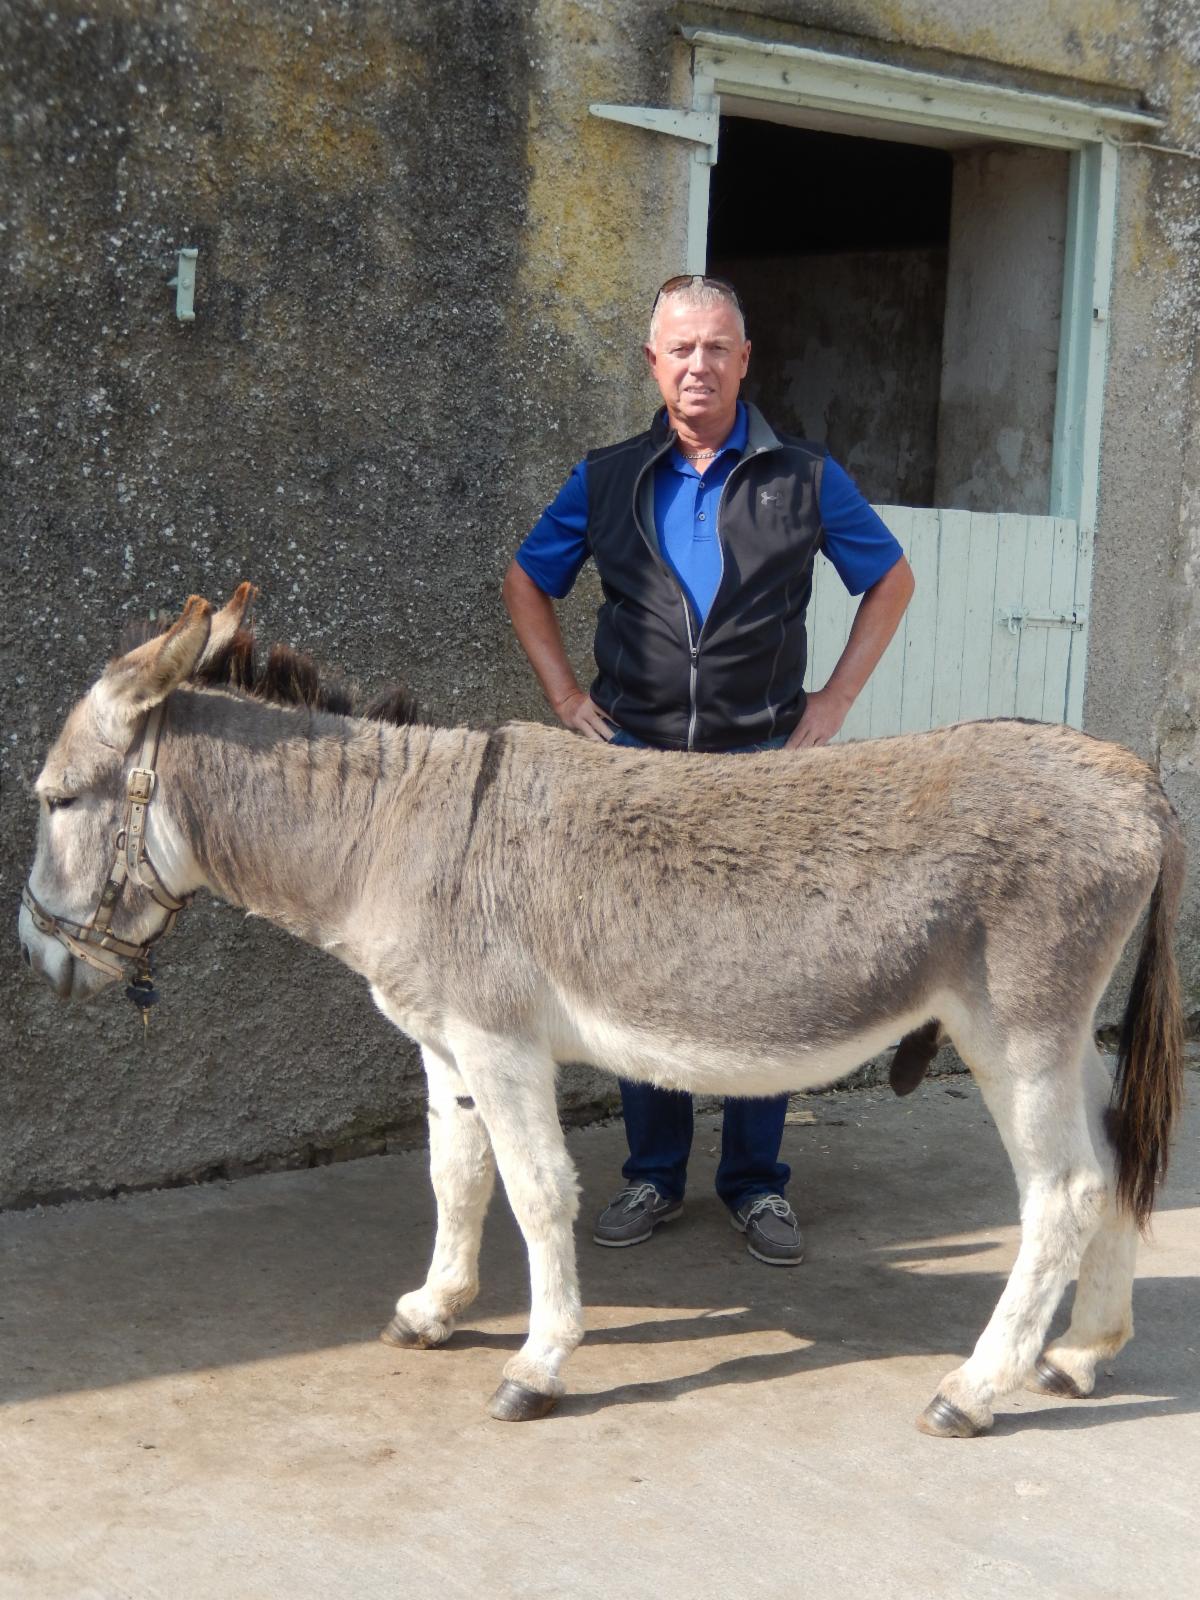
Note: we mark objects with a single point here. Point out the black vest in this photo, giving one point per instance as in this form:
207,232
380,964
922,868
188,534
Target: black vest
738,679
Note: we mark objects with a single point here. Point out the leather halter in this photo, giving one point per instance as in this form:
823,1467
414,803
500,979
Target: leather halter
94,942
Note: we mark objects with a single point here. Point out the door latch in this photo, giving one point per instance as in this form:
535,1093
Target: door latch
1015,619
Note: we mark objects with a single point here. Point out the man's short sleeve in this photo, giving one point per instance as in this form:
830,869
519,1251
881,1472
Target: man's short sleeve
857,540
557,546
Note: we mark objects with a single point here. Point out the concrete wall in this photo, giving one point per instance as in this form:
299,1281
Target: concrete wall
419,264
1143,683
1000,343
423,276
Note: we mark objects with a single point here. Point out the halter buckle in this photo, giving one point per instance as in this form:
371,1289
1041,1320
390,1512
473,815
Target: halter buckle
141,785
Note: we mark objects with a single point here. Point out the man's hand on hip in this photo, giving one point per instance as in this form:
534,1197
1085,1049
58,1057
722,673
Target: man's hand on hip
581,714
824,714
875,623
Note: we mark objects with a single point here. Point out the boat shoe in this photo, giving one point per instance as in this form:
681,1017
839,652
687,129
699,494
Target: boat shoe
772,1231
632,1215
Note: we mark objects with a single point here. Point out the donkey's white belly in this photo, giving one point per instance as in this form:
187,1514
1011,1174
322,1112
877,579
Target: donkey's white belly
579,1032
702,1067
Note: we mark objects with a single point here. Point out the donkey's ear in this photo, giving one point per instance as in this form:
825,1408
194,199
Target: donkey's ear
227,621
133,683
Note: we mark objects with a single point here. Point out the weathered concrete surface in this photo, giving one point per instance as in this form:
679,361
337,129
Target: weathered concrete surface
196,1404
854,359
422,279
999,351
363,419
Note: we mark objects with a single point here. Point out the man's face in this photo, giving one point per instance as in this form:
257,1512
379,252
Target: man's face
698,359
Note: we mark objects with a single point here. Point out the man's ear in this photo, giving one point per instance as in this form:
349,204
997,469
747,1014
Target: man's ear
133,683
227,621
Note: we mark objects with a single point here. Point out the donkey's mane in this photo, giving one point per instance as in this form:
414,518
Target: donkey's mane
286,677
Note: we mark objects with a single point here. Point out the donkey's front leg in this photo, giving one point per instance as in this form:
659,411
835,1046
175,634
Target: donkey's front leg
513,1086
463,1172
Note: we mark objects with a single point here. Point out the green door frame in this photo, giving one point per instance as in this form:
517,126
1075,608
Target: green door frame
748,76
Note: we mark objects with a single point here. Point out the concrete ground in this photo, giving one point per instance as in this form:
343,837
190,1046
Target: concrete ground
196,1404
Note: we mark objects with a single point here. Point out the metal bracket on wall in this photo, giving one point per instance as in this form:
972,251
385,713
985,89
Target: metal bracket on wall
184,285
698,127
1015,620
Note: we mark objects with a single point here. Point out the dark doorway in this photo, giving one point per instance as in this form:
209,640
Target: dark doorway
838,247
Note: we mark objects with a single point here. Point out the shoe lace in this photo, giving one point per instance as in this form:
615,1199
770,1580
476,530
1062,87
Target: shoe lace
770,1202
636,1194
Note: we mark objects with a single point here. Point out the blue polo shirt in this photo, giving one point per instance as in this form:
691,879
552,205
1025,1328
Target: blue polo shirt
857,541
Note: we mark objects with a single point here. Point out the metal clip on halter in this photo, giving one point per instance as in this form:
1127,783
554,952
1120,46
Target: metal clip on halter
144,995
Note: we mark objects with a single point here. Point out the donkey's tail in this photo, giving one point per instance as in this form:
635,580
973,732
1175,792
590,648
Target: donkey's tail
1148,1087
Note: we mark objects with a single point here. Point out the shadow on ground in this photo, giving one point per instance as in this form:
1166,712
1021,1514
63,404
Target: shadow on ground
909,1212
909,1218
197,1404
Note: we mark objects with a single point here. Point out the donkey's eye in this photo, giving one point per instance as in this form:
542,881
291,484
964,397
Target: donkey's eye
60,802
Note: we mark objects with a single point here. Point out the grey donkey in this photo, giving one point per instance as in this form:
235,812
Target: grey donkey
733,926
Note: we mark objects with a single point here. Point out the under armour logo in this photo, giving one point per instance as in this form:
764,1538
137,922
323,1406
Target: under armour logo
768,499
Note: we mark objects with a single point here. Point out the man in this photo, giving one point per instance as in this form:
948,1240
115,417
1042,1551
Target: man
704,531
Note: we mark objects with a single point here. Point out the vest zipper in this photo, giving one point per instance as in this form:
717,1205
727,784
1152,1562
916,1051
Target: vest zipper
694,644
694,640
694,653
669,571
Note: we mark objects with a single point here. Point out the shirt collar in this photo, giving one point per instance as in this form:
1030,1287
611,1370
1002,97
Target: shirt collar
740,431
736,440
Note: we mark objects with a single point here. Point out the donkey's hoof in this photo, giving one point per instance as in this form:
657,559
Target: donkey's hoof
1049,1379
513,1402
943,1420
401,1335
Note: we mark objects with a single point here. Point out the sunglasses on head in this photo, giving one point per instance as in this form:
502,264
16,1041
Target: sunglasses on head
685,280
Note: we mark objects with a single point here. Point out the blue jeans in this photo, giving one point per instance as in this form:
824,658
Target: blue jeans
658,1122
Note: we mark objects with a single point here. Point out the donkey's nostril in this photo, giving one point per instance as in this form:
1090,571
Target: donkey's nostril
25,953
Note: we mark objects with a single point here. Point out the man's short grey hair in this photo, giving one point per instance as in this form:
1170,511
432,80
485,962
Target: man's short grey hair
699,297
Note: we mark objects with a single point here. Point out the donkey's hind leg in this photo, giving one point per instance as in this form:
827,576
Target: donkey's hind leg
513,1085
1102,1314
463,1172
1037,1102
